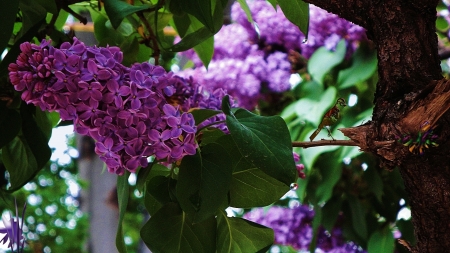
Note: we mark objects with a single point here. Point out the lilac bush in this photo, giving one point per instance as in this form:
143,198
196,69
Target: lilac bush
251,62
293,227
132,112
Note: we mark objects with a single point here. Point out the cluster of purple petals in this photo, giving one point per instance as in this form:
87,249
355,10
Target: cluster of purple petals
299,166
126,110
293,227
325,29
248,64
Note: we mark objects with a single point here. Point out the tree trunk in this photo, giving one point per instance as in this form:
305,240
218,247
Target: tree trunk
410,94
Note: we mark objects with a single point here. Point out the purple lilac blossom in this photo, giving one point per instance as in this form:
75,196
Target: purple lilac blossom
248,64
293,227
125,110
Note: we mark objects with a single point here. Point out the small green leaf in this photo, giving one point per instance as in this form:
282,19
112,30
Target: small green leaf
297,12
374,182
191,40
407,229
123,192
35,137
201,115
247,11
323,60
159,187
182,24
364,64
15,49
170,230
358,217
204,181
381,241
330,176
252,188
20,162
330,212
117,10
8,14
10,123
200,9
263,141
145,174
237,235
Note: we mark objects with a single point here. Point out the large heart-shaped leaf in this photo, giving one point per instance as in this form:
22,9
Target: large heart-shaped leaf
170,230
237,235
263,141
203,181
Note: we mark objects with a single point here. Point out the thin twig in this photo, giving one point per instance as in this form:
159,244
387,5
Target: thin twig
151,37
310,144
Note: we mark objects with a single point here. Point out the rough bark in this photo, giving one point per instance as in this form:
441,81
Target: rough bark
409,92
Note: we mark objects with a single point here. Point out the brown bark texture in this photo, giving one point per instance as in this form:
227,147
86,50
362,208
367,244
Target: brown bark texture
409,94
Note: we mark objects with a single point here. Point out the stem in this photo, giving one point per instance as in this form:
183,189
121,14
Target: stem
310,144
151,38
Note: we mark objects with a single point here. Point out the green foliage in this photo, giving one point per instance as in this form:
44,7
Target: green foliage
297,12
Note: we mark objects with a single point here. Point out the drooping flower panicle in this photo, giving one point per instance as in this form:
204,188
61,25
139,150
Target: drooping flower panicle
126,110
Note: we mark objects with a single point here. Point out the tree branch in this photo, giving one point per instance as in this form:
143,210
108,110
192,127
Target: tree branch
309,144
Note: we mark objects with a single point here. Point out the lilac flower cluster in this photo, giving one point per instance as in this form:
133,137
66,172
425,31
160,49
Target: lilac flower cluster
250,63
300,167
293,227
125,110
325,29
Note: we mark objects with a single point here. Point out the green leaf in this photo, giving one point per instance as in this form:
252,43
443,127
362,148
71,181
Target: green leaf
407,229
205,50
20,162
15,49
35,137
203,181
247,11
237,235
170,230
33,13
297,12
182,24
358,217
117,10
381,241
263,141
152,170
330,212
159,188
374,182
315,227
10,123
323,60
252,188
201,115
364,64
200,9
123,192
44,122
8,14
330,176
191,40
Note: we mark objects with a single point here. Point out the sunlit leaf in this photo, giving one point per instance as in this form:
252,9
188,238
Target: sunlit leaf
364,64
323,60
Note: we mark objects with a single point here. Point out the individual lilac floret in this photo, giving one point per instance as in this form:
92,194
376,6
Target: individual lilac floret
293,227
125,110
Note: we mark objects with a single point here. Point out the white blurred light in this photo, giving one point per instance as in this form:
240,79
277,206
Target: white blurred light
352,100
347,160
294,80
404,213
364,166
